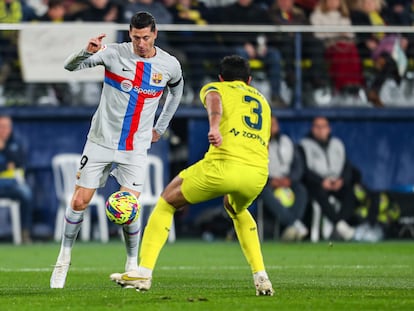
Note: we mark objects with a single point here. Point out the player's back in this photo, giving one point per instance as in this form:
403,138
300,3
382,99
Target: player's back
245,123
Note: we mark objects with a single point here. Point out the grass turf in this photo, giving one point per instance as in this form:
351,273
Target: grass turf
194,275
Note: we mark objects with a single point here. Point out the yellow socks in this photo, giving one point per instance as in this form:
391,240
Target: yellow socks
246,231
156,233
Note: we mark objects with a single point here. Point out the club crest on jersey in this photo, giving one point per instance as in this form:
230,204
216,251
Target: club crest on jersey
157,77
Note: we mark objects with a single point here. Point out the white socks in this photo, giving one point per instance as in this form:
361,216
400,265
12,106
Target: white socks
144,272
131,234
72,225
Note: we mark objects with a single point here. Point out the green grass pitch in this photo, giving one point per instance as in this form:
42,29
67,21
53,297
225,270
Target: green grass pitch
196,275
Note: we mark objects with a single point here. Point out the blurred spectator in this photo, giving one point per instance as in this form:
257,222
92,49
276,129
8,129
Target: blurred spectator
373,45
11,11
56,12
199,48
401,10
40,7
157,9
345,67
374,210
388,88
252,45
101,11
12,184
328,173
284,12
373,13
308,6
284,196
403,13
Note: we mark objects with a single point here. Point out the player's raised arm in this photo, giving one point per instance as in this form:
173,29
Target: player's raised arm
95,44
83,58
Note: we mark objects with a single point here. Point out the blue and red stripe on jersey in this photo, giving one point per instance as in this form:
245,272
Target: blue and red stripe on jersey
136,101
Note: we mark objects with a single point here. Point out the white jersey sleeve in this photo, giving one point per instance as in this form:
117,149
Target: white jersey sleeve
131,92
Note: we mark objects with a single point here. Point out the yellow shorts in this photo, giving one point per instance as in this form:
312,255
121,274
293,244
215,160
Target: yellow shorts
209,179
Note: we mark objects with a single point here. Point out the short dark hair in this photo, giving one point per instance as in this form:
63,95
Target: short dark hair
54,3
234,67
142,20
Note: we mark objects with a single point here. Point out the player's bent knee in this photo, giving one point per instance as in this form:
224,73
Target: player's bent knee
78,204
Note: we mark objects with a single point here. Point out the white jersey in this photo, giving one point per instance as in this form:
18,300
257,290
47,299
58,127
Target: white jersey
132,89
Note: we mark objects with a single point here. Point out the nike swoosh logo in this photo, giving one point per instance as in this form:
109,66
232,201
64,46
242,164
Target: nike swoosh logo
129,278
135,184
126,69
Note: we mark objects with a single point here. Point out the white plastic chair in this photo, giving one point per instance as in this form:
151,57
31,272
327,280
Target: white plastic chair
65,167
14,208
153,187
260,221
320,222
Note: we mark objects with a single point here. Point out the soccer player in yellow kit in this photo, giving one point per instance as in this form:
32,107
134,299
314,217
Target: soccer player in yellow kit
235,166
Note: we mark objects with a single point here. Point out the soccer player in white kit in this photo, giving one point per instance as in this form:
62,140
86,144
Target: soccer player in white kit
122,128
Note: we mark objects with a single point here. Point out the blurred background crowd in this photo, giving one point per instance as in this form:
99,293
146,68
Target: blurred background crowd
340,68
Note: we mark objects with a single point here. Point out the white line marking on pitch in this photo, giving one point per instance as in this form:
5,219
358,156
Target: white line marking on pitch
269,267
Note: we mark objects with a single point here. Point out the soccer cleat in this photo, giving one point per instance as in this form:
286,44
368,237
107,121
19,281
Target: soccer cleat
301,230
289,234
58,278
263,286
132,279
345,231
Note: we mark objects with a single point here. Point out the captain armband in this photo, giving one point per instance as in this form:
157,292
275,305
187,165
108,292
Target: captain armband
175,83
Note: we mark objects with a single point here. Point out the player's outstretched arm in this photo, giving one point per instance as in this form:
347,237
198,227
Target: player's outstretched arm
83,58
95,44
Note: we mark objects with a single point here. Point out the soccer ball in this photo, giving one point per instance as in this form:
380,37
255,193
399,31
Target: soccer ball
285,196
122,208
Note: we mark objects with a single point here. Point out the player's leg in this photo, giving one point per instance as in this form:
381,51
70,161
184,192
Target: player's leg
187,187
130,174
72,224
93,172
131,233
246,230
154,238
236,204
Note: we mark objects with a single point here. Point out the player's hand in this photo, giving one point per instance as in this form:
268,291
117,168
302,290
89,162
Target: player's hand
155,136
327,184
214,138
95,44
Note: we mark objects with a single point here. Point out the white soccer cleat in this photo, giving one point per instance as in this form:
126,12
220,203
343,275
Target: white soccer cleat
58,278
289,234
263,286
301,230
132,279
345,231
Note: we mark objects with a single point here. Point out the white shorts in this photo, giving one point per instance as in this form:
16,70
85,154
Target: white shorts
98,162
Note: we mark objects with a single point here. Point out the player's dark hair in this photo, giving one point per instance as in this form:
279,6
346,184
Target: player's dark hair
54,3
234,67
142,20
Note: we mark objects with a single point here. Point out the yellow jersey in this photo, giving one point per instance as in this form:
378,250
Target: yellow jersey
244,125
